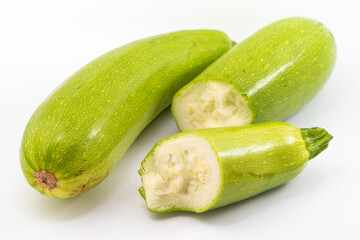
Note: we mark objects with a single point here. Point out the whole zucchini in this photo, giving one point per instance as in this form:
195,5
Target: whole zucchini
204,169
267,77
80,132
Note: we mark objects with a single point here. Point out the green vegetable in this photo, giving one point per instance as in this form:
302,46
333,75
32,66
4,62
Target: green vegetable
199,170
80,132
267,77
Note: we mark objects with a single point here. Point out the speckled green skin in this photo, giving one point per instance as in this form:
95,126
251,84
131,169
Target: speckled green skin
83,128
278,69
254,158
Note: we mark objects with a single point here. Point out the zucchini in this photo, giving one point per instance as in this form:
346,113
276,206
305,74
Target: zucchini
80,132
199,170
267,77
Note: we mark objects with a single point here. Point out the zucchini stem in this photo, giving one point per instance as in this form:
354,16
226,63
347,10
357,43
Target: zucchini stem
316,140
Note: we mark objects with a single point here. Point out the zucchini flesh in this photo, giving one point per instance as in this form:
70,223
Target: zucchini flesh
267,77
199,170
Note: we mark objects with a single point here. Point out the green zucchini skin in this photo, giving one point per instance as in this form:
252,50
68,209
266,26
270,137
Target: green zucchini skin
80,132
254,158
262,156
277,70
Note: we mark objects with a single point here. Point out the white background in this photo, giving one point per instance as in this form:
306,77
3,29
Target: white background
44,42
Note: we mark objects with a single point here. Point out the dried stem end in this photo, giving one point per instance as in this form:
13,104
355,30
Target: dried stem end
45,179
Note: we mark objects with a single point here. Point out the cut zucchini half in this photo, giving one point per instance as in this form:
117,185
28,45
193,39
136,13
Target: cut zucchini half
179,171
204,169
209,104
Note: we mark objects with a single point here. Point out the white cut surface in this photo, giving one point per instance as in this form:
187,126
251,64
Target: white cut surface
211,104
183,173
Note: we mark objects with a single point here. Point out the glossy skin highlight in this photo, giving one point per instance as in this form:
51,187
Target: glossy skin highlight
278,69
84,127
256,158
252,159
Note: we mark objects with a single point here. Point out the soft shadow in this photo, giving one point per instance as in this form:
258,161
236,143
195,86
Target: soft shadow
244,209
238,212
126,170
120,182
67,209
163,126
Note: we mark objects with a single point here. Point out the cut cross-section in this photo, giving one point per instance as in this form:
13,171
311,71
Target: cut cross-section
211,104
182,173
